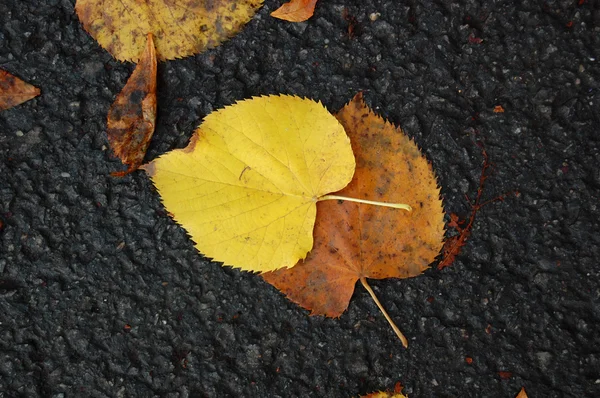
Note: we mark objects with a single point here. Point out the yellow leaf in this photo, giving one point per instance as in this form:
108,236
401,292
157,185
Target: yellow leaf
180,28
246,186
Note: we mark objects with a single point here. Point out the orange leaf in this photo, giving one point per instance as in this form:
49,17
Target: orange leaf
132,116
295,10
357,241
384,394
522,393
14,91
397,393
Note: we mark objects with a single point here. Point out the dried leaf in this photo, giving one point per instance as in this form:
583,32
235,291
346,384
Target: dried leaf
132,117
454,244
14,91
246,186
356,241
180,28
295,10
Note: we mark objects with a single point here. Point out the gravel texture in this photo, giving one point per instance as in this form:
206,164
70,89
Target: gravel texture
103,295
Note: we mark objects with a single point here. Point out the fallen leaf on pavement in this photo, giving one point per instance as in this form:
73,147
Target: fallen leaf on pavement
357,241
131,118
247,185
180,28
295,10
14,91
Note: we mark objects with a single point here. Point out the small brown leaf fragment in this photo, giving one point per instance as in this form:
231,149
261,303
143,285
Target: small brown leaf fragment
454,244
295,10
131,118
352,23
474,39
14,91
398,387
498,109
522,393
505,375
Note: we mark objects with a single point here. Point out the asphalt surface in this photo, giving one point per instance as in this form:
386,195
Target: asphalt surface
102,295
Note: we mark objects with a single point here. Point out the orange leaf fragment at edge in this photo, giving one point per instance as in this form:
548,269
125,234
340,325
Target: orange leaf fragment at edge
132,117
295,10
397,393
522,393
354,241
14,91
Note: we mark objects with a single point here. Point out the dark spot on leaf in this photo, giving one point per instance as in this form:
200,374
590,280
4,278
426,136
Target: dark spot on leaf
137,96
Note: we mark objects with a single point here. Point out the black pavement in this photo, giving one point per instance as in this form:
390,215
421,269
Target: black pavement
103,295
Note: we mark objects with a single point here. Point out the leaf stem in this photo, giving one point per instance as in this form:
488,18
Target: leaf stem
369,202
363,280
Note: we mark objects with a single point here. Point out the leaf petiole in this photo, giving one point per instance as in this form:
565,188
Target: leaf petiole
363,280
369,202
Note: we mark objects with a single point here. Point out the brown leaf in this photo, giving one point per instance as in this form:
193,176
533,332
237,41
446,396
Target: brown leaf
505,375
132,116
295,10
453,245
356,241
14,91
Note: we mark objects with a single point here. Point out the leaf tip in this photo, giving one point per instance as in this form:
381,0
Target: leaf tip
295,10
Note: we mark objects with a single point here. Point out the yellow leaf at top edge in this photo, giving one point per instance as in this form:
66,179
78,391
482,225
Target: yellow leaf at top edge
180,27
246,186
